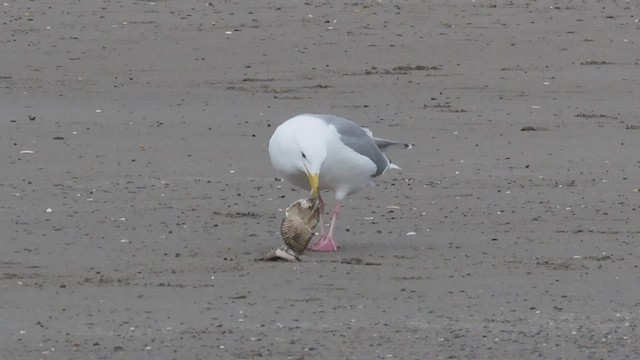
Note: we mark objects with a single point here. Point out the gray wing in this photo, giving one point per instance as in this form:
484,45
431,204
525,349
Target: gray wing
357,139
384,144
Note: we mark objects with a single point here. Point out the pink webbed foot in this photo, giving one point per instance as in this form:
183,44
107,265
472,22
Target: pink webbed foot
325,243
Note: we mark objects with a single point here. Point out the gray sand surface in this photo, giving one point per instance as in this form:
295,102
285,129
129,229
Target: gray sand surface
130,231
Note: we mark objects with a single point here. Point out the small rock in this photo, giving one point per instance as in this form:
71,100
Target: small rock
534,128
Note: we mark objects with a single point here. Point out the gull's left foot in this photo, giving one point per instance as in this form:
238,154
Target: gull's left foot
325,243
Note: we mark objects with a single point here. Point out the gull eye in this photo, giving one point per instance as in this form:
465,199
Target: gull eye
304,156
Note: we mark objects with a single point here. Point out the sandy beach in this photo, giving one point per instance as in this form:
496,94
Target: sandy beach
136,190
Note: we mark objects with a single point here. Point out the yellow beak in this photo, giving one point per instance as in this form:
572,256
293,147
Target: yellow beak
314,183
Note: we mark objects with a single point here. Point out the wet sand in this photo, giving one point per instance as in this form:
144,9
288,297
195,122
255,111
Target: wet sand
136,190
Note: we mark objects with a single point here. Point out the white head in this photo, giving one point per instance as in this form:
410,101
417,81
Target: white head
298,148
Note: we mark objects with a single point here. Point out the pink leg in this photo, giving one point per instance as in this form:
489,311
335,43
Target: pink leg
320,221
326,242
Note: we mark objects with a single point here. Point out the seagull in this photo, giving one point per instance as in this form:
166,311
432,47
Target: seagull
326,152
